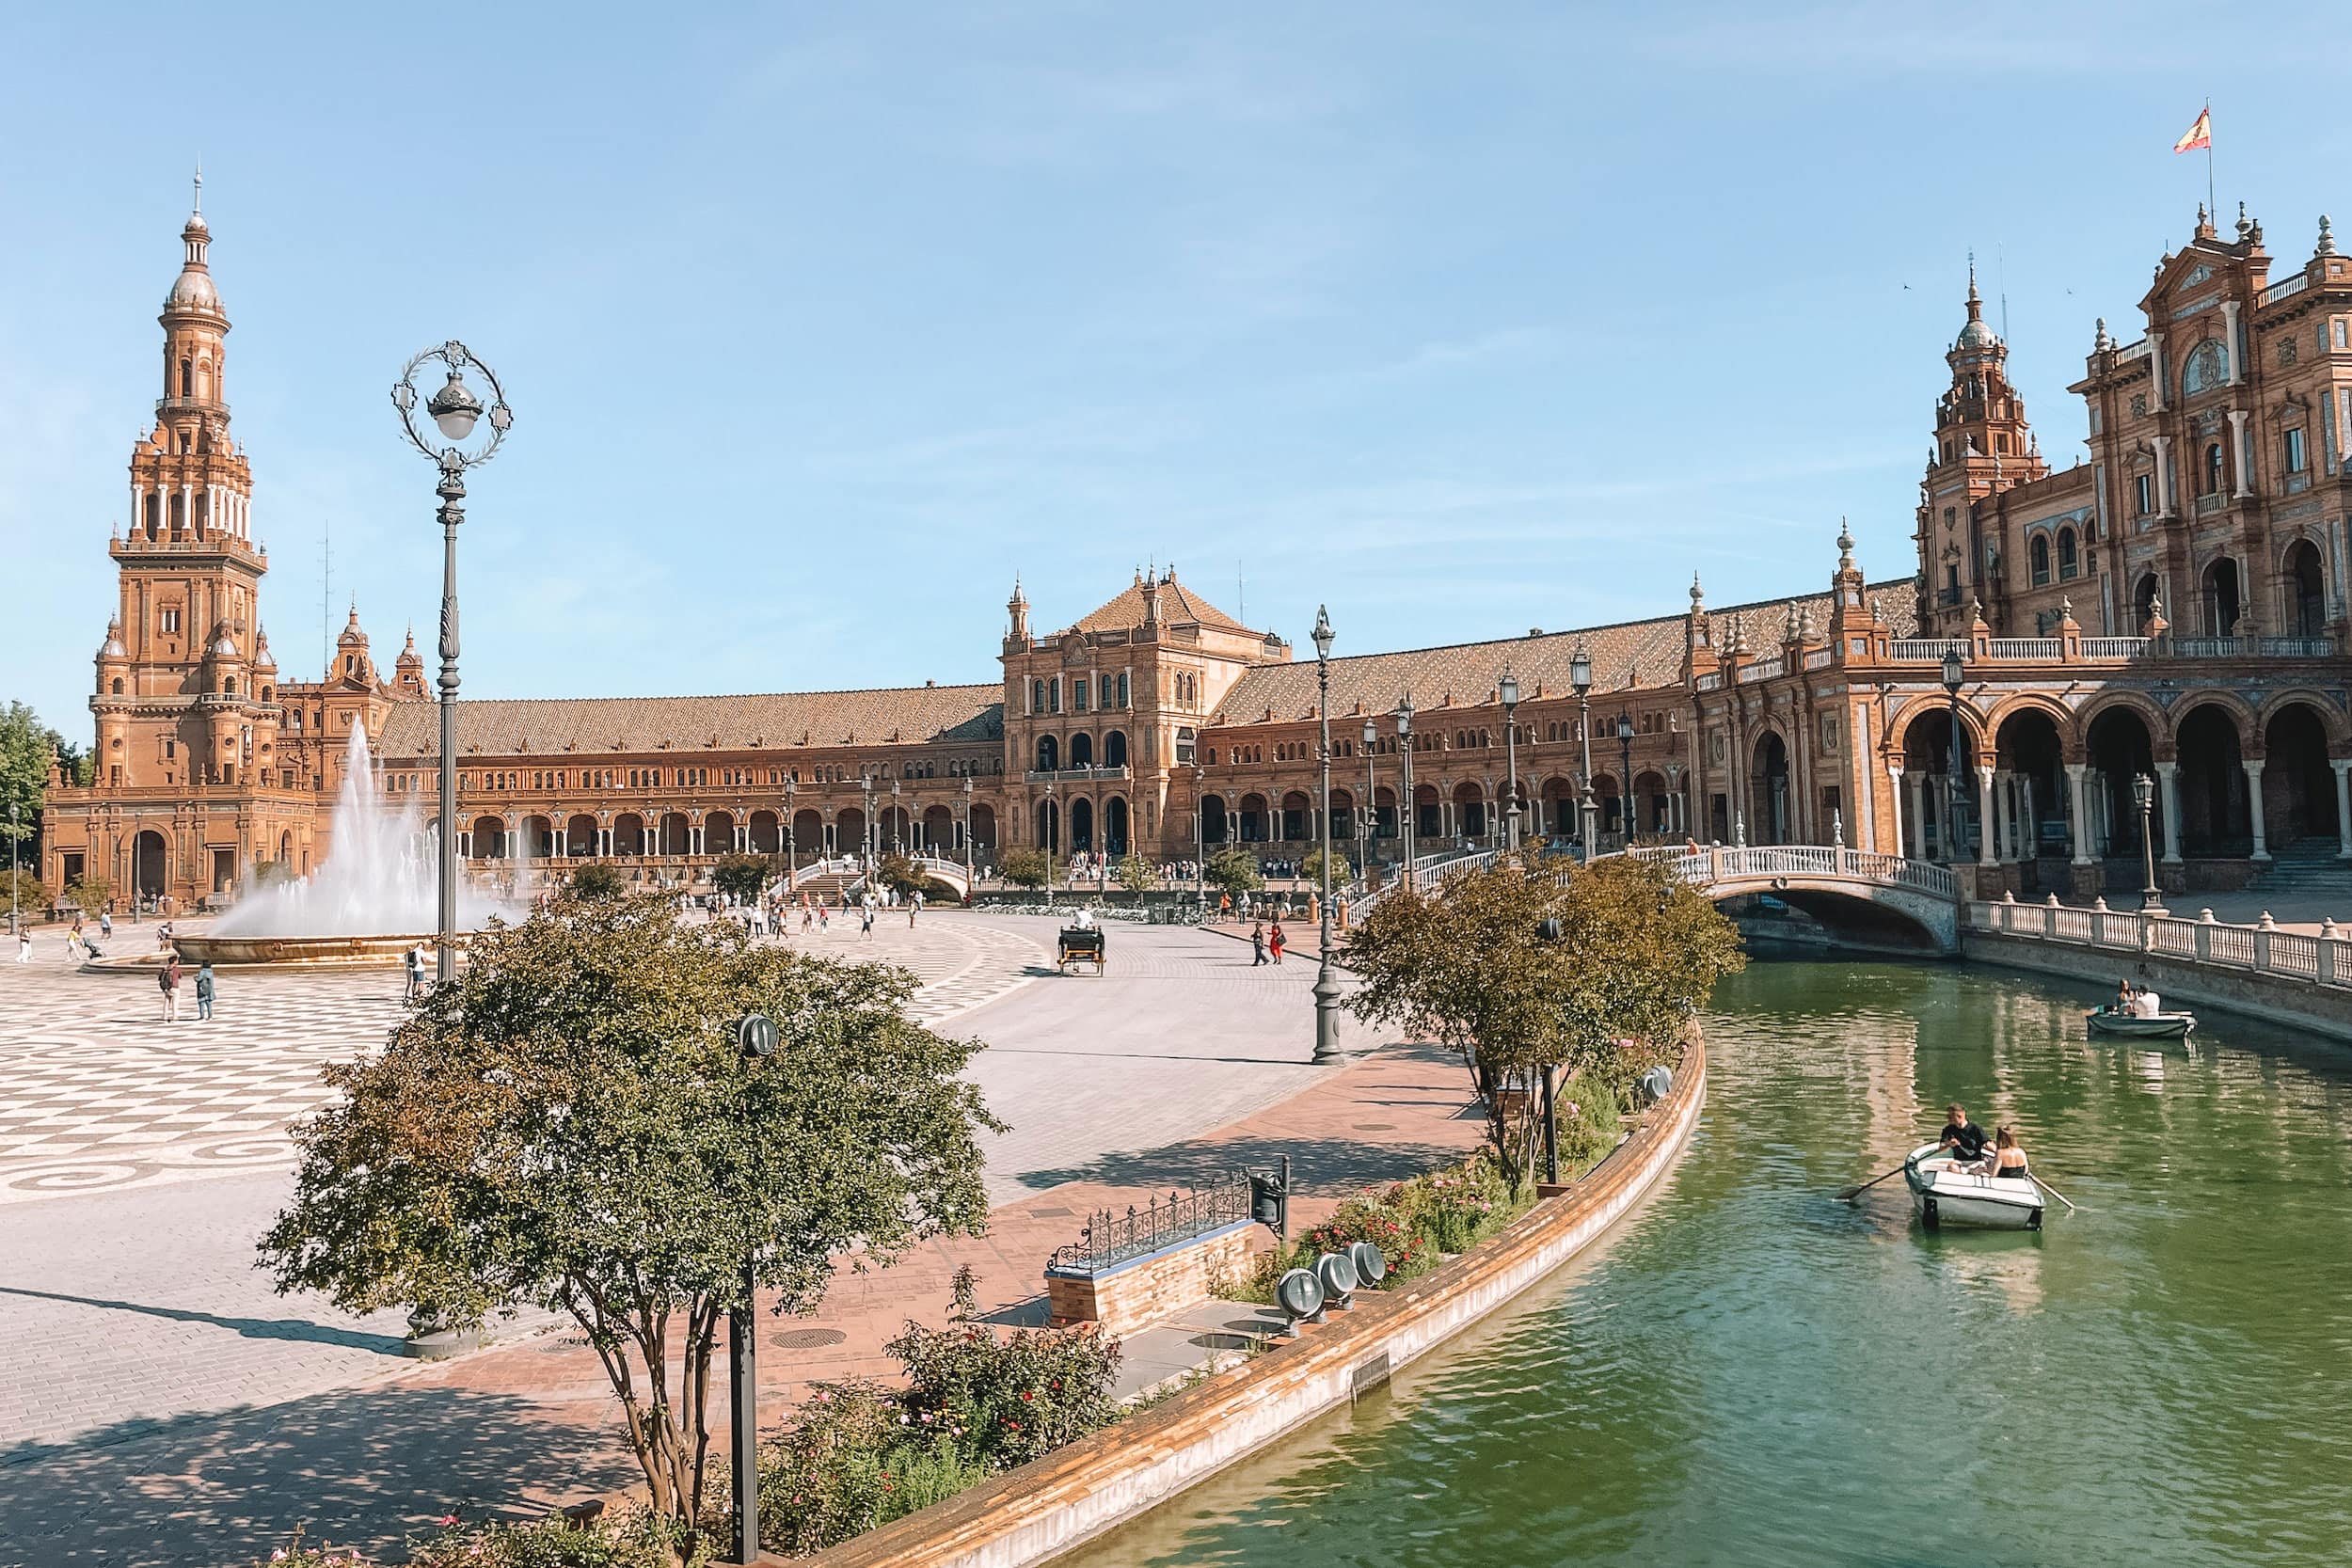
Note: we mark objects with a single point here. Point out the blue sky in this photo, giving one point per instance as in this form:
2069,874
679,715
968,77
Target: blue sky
822,322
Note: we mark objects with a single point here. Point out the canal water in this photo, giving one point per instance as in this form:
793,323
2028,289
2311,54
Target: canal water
1751,1372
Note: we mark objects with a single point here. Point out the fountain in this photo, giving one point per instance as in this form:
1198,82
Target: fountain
372,899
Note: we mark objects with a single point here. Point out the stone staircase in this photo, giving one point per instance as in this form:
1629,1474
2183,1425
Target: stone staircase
2309,866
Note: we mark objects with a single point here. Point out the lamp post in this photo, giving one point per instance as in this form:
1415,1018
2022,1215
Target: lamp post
1327,984
1510,693
865,789
1053,840
1201,836
1581,677
1624,772
2144,796
896,812
453,410
14,842
967,839
1369,818
1955,672
1405,801
792,856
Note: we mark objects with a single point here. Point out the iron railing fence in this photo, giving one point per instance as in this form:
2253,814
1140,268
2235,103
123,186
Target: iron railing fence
1111,1238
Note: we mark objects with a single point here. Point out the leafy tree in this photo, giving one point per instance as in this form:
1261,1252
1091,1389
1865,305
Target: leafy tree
91,894
1311,868
1025,867
1137,876
1234,870
571,1124
25,743
25,881
592,881
900,873
1467,964
743,877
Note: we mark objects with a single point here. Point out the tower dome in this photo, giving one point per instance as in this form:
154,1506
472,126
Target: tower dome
192,289
1976,336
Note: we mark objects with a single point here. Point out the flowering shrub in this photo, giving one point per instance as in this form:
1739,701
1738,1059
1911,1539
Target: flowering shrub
635,1540
860,1454
1411,1222
1586,1107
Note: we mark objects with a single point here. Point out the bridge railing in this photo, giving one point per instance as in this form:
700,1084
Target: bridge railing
2325,960
1744,863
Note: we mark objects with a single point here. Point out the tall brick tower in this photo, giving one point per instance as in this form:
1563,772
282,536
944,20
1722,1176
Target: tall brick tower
177,700
1982,447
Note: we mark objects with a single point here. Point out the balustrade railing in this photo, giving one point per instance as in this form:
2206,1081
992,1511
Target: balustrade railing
1929,650
2325,960
1762,670
1720,864
2286,287
1711,681
1821,658
2116,647
2025,647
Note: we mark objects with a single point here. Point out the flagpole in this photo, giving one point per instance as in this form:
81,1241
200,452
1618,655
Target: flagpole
2212,203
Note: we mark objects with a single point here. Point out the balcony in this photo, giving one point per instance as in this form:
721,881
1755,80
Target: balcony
1075,775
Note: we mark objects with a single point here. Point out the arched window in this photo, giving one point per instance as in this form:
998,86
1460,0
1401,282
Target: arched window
1048,753
1037,696
1081,750
117,686
1123,688
2209,478
2038,553
229,686
187,378
1115,748
2070,563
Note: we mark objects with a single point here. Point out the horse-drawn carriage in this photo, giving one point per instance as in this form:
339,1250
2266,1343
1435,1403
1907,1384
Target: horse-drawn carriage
1080,944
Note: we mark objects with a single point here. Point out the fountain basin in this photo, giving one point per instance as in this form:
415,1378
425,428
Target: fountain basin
359,952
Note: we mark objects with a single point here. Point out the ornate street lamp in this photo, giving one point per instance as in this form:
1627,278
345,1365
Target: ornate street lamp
1581,677
2144,796
791,850
13,843
896,812
1510,693
453,410
1405,801
1367,820
1624,772
1200,835
967,838
1955,836
865,788
1326,983
1053,840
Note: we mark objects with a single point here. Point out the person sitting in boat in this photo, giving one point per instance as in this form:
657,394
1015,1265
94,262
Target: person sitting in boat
2006,1160
1963,1138
2145,1004
2122,998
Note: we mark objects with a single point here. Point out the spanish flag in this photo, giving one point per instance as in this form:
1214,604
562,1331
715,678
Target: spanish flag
2199,135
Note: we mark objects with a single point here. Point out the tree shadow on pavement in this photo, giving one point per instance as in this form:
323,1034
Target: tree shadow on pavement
252,1328
368,1468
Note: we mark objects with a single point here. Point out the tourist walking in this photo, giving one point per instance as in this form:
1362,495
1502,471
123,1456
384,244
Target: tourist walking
23,947
204,989
415,965
865,923
167,979
1257,945
105,925
1275,941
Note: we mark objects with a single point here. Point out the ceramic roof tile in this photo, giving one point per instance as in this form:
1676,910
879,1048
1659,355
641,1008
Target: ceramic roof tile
1179,607
597,725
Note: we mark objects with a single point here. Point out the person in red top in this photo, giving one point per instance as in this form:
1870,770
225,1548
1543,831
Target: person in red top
1275,940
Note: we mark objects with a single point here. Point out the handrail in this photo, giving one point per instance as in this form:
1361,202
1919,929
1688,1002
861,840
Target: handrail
2325,960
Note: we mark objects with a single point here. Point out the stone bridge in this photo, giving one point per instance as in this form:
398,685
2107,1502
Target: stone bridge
1827,882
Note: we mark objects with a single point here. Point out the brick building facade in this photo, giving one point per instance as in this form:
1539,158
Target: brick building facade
2172,607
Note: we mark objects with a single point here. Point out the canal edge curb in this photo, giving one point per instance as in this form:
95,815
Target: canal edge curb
1055,1504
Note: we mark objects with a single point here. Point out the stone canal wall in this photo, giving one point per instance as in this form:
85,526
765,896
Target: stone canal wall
1046,1508
2287,977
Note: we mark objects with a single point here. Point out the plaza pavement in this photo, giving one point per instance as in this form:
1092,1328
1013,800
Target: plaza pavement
159,1403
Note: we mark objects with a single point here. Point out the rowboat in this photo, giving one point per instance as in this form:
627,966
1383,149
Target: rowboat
2158,1026
1945,1195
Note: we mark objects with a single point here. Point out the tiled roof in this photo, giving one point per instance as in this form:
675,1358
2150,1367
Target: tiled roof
1629,654
595,726
1179,607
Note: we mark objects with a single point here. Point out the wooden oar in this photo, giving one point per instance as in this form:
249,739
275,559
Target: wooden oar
1847,1194
2054,1192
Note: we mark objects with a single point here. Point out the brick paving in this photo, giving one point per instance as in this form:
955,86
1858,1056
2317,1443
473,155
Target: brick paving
158,1404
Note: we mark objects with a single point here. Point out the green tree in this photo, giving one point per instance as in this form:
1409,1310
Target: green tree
1234,870
901,874
592,881
30,897
571,1124
1025,867
1311,868
1468,964
743,877
25,743
1137,875
91,894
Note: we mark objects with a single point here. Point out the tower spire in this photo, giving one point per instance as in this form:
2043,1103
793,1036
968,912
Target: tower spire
197,206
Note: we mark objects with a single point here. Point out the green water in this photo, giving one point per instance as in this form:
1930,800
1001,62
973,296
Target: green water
1750,1373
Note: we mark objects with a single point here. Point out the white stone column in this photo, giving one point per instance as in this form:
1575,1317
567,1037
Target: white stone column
2077,788
2164,473
2169,788
2244,485
187,510
2002,819
136,519
2228,338
2155,369
2254,807
1895,779
1922,814
1986,847
2343,806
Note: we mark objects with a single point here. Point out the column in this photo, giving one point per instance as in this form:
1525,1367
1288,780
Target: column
2343,806
2164,475
163,510
2169,799
1985,845
1999,839
1895,780
187,511
2244,485
1922,816
2255,806
2155,369
2228,338
2077,787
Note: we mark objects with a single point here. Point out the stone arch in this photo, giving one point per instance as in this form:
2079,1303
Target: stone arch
1469,810
1255,823
984,827
2215,815
2222,597
1923,728
808,831
939,829
1385,823
151,863
1049,826
1216,822
629,834
538,838
2302,591
894,834
1649,801
487,839
1557,797
2298,785
1429,815
2031,741
1772,788
719,833
1048,753
1345,824
1115,825
849,831
676,834
1298,818
580,835
1115,748
2119,746
765,834
1081,754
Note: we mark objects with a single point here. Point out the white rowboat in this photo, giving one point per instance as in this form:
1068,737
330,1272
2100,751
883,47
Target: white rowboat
1944,1196
2163,1027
